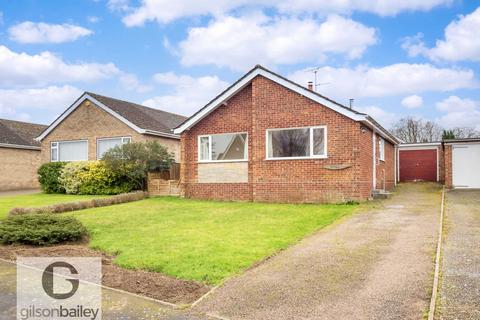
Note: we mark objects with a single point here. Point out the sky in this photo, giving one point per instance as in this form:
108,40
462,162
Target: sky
417,58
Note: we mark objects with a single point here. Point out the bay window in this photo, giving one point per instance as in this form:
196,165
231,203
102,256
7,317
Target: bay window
223,147
297,143
69,150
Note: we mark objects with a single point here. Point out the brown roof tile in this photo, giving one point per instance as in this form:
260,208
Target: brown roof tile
20,133
141,116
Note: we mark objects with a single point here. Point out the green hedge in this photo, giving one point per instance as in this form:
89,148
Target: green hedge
92,177
82,177
48,176
41,229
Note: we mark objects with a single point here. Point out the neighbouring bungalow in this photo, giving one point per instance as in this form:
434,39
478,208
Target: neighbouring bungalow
19,154
266,138
93,124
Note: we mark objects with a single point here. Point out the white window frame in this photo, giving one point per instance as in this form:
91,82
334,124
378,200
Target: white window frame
381,149
123,139
209,160
311,156
56,145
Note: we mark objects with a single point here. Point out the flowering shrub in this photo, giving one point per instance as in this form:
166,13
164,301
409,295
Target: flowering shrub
92,177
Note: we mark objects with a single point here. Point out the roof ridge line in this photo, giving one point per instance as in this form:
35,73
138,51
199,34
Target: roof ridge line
140,105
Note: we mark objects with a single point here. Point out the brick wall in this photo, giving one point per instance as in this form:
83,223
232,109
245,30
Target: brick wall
385,174
89,122
266,105
18,169
441,164
448,166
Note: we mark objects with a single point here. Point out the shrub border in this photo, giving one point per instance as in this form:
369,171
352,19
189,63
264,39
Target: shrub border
80,205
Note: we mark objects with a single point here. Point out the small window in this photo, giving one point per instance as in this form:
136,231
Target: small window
103,145
297,143
54,151
381,149
223,147
69,150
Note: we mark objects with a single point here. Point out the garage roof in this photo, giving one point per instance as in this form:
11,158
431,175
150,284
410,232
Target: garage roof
18,134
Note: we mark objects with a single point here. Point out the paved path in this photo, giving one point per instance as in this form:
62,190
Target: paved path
460,291
18,192
375,265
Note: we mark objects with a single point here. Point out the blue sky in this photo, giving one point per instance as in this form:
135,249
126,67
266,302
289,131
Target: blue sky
414,57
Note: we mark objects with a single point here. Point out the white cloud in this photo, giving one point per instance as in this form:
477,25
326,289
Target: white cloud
31,32
462,41
165,11
395,79
189,93
386,119
459,112
412,102
241,42
379,7
22,69
17,103
93,19
119,5
130,82
456,104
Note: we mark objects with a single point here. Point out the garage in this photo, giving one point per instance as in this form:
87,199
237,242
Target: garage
466,165
419,162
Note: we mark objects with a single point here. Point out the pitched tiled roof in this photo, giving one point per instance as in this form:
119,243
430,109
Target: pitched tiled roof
141,116
20,133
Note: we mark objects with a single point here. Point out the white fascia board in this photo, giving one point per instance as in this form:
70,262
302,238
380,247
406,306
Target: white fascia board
423,144
161,134
76,105
240,85
19,146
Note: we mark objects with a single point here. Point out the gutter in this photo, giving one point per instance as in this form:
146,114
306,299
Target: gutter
19,146
160,134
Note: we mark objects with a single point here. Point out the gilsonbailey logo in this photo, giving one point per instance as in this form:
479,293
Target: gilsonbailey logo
61,312
56,288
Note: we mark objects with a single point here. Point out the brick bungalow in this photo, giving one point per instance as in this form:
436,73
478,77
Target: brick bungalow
19,154
266,138
94,123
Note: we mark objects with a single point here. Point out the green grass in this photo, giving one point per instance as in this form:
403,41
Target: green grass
37,200
201,240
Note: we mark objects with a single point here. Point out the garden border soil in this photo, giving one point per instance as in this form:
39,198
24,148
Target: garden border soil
150,284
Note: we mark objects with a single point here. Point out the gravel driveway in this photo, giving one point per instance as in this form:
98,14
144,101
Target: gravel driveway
460,290
377,264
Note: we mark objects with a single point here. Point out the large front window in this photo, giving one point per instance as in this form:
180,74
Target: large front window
69,150
222,147
105,144
297,143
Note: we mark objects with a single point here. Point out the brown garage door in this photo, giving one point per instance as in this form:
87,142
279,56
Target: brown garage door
418,165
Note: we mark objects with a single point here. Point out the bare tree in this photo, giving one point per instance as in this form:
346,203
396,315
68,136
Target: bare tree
412,130
465,132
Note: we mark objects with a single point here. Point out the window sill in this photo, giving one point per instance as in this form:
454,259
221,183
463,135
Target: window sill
298,158
222,161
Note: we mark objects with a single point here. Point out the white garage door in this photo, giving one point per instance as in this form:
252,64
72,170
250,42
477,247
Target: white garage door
466,166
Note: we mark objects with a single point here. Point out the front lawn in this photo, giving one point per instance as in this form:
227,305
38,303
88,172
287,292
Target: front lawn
37,200
201,240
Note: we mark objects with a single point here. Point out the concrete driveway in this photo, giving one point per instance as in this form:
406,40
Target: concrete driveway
460,290
375,265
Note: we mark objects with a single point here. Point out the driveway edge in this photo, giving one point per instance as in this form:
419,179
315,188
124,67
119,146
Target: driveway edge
433,300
